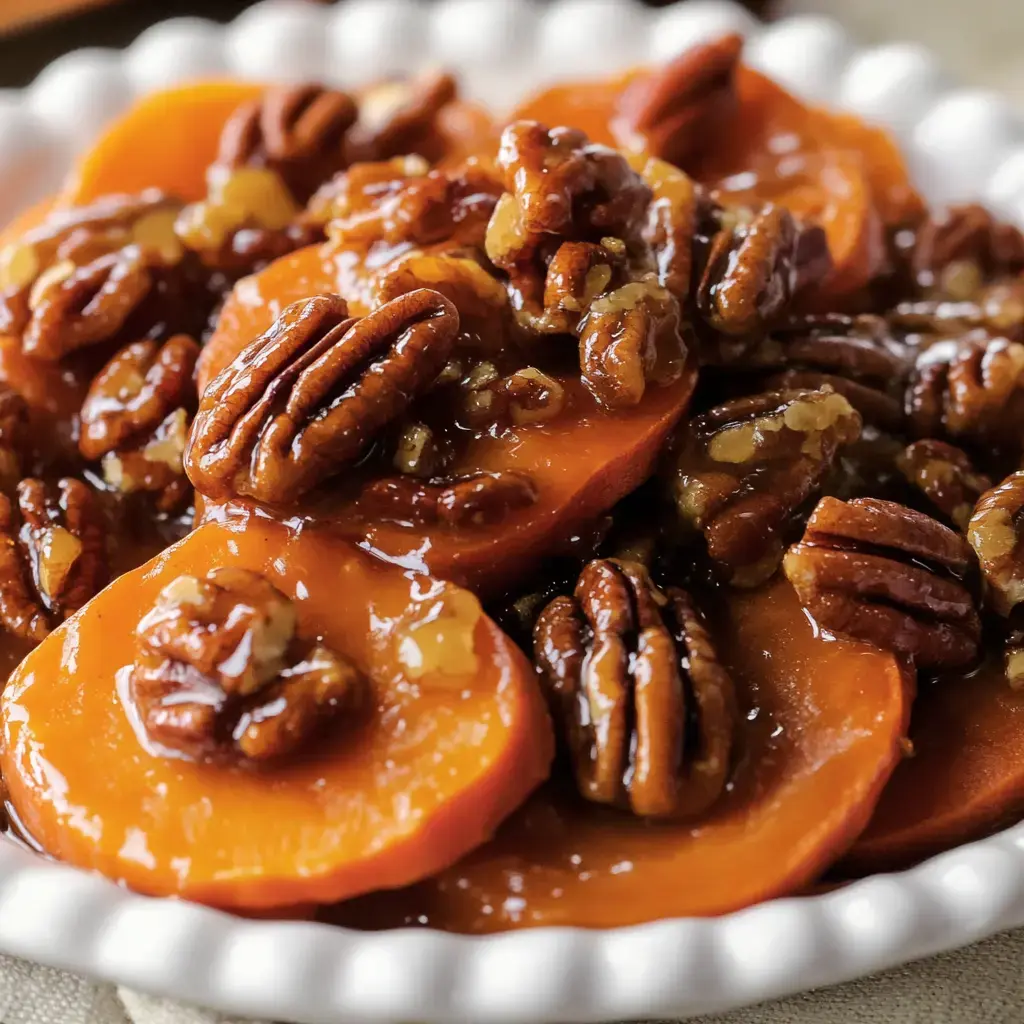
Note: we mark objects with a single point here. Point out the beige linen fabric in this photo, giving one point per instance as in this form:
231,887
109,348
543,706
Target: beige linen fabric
980,985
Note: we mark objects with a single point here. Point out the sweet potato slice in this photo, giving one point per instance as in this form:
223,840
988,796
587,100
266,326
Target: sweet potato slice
822,735
432,768
165,141
580,463
965,779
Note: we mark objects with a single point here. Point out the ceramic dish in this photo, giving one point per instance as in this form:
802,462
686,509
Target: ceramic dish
959,144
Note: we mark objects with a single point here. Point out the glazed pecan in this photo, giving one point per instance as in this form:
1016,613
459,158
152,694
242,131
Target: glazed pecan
220,672
400,117
970,389
754,269
881,572
304,399
857,356
73,238
997,308
678,112
296,131
14,438
476,499
631,336
954,252
72,307
136,417
647,712
996,535
946,476
745,468
53,554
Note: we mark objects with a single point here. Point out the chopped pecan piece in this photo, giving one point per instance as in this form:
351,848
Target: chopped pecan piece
73,307
305,398
679,111
629,337
946,476
53,560
136,417
996,534
959,249
881,572
753,270
970,389
220,672
476,499
746,467
296,131
400,117
647,711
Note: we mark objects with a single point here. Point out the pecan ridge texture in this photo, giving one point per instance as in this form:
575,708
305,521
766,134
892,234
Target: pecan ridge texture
308,396
646,709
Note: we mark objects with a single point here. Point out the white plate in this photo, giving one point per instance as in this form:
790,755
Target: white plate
961,144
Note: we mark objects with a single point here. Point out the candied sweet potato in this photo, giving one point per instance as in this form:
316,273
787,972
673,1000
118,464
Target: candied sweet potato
165,141
821,736
964,780
580,463
455,736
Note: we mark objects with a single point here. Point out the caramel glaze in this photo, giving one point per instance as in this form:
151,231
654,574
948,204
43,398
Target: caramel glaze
821,735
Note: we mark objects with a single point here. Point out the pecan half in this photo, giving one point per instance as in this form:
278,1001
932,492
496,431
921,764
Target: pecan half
997,537
647,711
946,476
969,389
997,308
753,270
881,572
14,437
72,307
400,117
136,417
476,499
296,131
745,468
629,337
678,112
958,249
305,398
220,672
52,555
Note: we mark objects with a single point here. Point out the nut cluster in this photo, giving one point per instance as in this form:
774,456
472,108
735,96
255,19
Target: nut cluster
220,672
628,670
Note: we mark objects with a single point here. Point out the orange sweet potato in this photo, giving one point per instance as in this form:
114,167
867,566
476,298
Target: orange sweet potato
165,141
821,738
965,779
581,463
435,765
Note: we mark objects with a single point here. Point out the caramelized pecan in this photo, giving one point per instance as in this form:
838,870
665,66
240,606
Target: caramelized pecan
997,308
678,112
52,555
136,417
72,307
647,712
881,572
745,468
14,437
220,672
296,131
753,270
304,399
997,537
476,499
400,117
630,336
969,389
946,476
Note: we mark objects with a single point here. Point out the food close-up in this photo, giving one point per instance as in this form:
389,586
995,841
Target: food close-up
416,514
